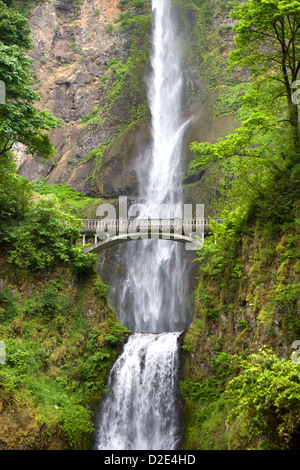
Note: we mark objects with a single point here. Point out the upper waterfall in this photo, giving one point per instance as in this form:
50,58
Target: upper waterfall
153,295
165,99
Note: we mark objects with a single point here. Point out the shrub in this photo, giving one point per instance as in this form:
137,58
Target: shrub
77,421
9,307
109,29
101,290
267,395
83,264
45,238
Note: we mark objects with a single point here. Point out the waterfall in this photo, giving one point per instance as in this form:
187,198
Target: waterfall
148,361
154,292
140,410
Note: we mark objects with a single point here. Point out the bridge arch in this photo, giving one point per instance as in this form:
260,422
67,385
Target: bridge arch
107,233
116,240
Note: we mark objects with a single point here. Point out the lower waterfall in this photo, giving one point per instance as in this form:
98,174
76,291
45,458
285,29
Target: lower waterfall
140,411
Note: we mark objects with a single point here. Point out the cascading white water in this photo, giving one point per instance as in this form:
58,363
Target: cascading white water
141,407
154,293
148,361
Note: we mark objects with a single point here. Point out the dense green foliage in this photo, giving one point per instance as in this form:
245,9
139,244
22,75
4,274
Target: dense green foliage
61,335
270,125
14,192
39,239
72,201
36,236
268,42
245,404
248,291
20,121
57,360
267,403
264,150
44,233
46,237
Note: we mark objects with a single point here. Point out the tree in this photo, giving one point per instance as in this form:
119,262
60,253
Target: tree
15,193
267,43
20,121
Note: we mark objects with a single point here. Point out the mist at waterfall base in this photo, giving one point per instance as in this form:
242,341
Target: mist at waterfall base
141,410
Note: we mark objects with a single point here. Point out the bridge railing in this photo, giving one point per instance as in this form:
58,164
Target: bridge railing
118,226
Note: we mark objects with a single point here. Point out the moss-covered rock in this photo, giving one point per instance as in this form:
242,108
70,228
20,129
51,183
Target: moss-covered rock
61,338
247,299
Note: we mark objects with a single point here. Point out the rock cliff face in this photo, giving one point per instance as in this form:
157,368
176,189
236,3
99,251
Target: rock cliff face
91,58
73,49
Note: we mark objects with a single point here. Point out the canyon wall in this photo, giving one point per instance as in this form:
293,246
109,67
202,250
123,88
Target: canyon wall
91,62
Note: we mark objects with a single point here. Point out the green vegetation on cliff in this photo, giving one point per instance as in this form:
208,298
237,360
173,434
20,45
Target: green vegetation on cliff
61,340
123,82
247,298
19,119
241,389
61,336
23,7
238,394
60,333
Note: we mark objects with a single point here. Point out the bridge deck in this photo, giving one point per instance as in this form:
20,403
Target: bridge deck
115,226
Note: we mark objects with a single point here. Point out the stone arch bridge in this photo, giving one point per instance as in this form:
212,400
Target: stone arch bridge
98,235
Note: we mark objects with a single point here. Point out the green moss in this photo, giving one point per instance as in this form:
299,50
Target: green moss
251,278
205,407
213,422
97,155
95,117
109,27
69,199
57,358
